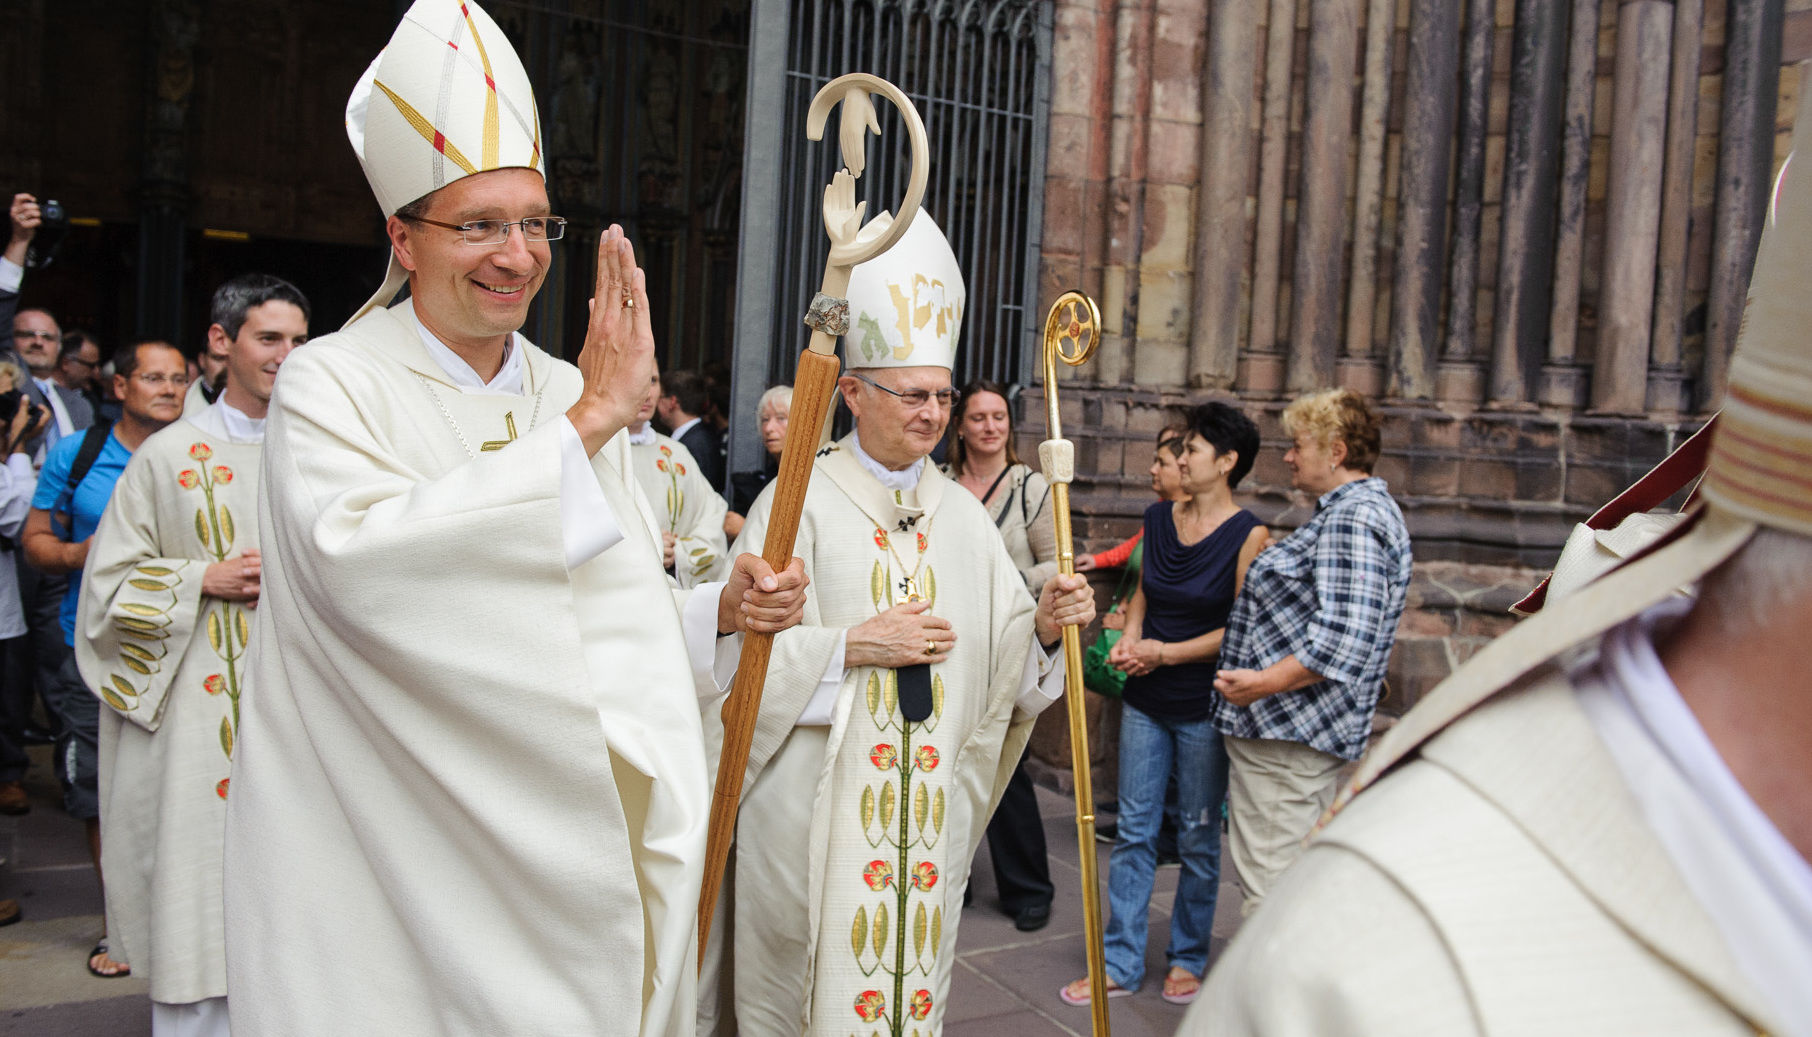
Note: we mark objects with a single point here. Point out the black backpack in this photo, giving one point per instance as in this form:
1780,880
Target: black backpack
93,442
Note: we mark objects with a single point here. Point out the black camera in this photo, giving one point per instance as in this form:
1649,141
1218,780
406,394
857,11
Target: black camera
10,402
52,226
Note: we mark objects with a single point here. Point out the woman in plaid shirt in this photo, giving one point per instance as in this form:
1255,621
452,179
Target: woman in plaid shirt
1304,657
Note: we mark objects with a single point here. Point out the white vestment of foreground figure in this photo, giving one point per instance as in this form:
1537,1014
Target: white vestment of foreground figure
470,797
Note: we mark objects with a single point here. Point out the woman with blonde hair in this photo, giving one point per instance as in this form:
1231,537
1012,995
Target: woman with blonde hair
1306,648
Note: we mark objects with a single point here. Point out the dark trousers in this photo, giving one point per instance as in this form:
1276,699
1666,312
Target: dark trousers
33,663
1022,873
16,693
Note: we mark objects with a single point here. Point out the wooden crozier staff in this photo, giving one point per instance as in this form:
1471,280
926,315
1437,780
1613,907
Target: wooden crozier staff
1071,333
814,389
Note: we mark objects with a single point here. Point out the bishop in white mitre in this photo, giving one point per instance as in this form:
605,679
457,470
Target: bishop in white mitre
688,511
165,625
894,714
470,789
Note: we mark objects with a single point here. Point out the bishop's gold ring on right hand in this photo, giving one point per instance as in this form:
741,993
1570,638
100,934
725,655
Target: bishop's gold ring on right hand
930,647
628,301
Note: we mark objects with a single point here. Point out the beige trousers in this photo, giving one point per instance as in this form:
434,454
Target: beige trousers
1276,791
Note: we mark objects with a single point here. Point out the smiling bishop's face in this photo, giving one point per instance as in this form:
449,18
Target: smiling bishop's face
474,294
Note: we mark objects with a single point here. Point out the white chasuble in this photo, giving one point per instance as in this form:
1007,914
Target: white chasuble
169,665
685,505
856,935
470,792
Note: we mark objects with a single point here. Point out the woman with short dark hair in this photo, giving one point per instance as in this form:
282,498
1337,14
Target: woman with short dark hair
1196,554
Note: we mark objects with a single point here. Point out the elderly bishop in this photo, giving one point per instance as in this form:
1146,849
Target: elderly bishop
469,794
893,716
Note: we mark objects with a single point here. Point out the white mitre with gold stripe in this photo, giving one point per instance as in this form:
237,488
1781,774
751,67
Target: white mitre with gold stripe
906,304
447,97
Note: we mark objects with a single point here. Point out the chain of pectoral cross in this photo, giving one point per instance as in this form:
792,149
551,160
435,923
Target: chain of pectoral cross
489,445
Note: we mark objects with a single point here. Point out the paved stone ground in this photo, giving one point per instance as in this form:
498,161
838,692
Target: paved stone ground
1005,982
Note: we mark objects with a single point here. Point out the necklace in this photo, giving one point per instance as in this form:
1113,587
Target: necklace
509,421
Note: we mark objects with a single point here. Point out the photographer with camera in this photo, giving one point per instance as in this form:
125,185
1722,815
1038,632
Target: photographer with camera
23,423
24,216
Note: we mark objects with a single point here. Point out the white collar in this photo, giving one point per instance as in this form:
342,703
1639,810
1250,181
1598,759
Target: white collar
645,437
1753,884
507,381
240,426
905,479
683,429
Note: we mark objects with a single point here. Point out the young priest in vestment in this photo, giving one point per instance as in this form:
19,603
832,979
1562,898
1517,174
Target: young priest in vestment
163,628
894,714
687,508
470,795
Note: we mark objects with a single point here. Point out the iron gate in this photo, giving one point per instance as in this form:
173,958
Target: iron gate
979,72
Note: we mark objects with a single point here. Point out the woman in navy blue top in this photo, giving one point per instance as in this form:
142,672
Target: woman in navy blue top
1196,554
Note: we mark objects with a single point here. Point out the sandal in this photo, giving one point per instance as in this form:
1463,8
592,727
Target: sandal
100,951
1181,986
1078,998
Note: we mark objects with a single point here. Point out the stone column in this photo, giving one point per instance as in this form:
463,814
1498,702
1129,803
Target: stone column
1752,65
1220,221
1666,376
1359,370
163,191
1261,372
1428,107
1562,383
1531,165
1327,130
1633,206
1460,378
1131,71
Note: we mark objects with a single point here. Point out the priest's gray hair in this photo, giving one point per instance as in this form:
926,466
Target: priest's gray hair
1771,572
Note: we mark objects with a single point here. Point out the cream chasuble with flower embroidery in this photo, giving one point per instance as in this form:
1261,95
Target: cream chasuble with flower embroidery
169,665
685,505
854,840
470,796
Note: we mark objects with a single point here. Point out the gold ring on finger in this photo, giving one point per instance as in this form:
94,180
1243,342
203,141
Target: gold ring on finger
628,301
930,647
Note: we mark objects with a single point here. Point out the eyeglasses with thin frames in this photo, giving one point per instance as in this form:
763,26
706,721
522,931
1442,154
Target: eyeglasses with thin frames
916,398
48,336
158,381
496,232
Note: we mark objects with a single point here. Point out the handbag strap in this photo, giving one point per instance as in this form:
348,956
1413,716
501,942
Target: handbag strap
1672,475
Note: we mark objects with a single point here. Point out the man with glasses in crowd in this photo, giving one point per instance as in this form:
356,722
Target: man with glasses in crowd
73,489
894,715
470,796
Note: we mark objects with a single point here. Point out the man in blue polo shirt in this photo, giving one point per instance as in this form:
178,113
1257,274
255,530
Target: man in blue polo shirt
149,379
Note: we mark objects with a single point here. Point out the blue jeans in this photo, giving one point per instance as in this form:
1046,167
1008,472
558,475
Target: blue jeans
1150,749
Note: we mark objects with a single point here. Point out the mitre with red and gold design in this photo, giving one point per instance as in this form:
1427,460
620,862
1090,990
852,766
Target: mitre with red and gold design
447,97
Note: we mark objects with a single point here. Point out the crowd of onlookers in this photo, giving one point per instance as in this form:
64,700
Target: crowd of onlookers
1248,666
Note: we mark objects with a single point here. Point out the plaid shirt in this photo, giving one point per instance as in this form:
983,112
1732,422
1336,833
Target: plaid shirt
1330,594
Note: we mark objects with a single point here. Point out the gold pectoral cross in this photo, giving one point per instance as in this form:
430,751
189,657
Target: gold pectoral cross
509,425
909,587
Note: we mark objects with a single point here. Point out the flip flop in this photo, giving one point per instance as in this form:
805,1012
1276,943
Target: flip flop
1185,998
101,951
1081,1001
